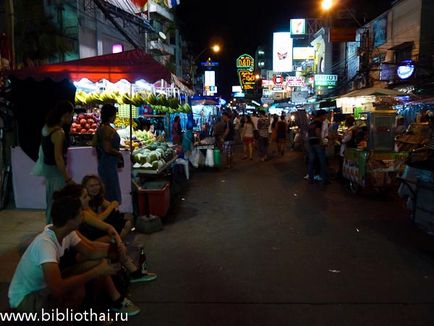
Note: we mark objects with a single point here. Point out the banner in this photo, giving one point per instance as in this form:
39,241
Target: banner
282,52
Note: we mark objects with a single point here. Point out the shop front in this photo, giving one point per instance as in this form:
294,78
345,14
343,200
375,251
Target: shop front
141,88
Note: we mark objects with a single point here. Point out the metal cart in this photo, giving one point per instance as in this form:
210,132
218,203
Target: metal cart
377,165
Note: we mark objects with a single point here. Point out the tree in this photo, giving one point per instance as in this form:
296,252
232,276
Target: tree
37,36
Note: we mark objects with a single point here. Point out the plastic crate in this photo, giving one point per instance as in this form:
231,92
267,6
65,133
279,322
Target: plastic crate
153,198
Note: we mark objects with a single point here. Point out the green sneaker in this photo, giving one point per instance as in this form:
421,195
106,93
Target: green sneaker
142,277
126,307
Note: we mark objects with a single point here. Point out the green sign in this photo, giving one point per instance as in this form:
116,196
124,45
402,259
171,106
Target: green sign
245,62
298,26
326,80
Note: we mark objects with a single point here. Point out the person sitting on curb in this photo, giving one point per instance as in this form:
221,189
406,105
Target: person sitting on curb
105,210
91,226
39,281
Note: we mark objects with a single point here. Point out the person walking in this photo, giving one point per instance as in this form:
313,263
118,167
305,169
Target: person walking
218,131
54,145
281,135
107,144
272,130
316,149
263,124
248,138
228,138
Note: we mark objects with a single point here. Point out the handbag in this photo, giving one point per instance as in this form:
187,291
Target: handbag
38,168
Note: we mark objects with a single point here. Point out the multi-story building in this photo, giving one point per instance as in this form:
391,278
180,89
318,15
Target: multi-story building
396,48
97,27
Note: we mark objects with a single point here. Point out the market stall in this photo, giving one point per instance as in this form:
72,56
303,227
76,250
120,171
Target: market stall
126,79
374,164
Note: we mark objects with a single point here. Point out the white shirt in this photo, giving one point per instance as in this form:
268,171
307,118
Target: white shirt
348,134
29,276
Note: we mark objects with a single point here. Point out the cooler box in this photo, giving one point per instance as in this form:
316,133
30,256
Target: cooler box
153,198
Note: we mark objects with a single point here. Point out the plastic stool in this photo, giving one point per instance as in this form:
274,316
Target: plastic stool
181,161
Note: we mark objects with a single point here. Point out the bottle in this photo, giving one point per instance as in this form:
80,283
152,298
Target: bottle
143,264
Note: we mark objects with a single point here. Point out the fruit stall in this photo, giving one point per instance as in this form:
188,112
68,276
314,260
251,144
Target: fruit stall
125,79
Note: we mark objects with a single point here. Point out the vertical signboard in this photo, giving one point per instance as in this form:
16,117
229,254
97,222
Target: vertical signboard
298,26
245,67
210,78
379,28
282,52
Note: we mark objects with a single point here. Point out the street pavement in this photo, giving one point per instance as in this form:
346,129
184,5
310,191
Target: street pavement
258,245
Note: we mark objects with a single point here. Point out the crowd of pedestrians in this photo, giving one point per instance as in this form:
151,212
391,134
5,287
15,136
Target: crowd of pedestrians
265,136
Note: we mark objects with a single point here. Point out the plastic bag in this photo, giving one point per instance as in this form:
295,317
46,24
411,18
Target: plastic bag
38,168
209,160
195,157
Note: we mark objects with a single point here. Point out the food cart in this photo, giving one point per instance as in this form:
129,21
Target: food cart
374,165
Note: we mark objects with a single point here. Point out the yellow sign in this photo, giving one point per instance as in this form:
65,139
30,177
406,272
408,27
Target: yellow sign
245,62
247,79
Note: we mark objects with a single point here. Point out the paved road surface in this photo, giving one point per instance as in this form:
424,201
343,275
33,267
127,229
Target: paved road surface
257,245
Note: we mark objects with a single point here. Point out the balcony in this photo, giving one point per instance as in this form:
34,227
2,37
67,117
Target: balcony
156,9
161,48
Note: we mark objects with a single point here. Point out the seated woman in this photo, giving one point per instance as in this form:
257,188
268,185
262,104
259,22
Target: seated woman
110,233
103,210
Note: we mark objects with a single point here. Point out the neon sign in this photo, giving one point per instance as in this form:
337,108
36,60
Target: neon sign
245,62
406,69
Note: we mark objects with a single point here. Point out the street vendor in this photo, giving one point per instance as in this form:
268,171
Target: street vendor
348,140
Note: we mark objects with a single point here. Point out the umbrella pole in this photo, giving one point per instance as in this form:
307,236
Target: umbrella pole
131,121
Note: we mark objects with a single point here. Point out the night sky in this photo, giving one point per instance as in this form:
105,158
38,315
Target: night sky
242,26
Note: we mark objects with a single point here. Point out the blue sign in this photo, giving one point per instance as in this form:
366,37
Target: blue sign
405,69
209,64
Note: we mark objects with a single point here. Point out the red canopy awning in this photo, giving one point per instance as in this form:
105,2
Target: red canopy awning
130,65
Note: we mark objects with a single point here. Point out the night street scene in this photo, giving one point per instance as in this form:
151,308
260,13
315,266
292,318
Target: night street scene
217,163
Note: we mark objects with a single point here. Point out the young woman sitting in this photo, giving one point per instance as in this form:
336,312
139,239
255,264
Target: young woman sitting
104,210
110,235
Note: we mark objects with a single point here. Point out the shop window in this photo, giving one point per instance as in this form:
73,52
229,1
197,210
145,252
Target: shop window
403,54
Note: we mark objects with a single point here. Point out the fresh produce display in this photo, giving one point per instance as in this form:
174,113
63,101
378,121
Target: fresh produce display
159,103
123,123
85,123
145,137
153,157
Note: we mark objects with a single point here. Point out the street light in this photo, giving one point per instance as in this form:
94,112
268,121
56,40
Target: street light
214,48
326,5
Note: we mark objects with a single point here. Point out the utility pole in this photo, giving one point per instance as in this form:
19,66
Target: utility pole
11,27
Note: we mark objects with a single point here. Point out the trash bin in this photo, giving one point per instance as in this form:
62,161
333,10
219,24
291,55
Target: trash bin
153,198
217,158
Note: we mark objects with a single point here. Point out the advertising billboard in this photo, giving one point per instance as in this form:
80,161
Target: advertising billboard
379,28
209,78
326,80
282,52
245,62
298,26
303,53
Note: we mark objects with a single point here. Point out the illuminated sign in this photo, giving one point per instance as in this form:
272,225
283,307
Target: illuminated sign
236,89
209,78
405,69
326,80
282,52
295,81
303,53
117,48
298,26
245,62
247,79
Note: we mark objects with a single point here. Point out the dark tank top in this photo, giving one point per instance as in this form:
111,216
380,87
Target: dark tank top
48,148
